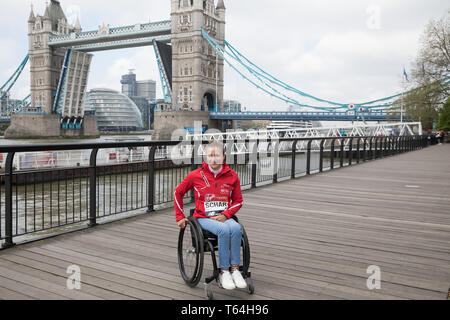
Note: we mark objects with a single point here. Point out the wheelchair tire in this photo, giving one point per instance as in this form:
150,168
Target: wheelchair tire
245,249
208,293
190,254
250,286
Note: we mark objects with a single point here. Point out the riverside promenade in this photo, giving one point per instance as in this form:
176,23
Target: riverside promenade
311,238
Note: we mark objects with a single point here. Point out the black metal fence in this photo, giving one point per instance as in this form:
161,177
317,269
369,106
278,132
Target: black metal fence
38,200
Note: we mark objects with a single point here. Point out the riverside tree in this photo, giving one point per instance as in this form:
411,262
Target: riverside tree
430,74
444,117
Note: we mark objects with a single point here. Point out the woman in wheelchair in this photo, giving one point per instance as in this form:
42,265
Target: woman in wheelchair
218,197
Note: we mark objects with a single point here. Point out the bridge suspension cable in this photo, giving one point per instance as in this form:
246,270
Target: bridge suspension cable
12,80
271,85
18,107
221,51
269,81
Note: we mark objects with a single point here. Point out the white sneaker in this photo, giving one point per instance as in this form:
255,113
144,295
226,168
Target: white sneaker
226,281
238,279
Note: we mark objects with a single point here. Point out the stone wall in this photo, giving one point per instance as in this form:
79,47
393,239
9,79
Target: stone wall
26,126
166,123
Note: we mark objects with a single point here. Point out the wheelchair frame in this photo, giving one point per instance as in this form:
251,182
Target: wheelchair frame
204,241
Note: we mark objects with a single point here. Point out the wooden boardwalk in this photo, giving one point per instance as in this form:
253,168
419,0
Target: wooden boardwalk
310,238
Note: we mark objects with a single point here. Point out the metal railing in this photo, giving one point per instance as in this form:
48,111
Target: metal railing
47,199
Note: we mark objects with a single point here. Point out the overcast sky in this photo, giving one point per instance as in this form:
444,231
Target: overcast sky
345,51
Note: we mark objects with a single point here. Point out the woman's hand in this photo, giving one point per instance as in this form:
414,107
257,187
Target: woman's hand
182,223
220,218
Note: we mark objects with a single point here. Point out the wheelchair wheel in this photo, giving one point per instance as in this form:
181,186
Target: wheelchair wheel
245,253
190,254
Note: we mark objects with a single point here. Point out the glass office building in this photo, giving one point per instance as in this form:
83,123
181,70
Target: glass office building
114,111
232,106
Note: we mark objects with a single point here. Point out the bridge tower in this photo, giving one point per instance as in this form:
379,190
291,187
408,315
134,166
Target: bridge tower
45,62
45,71
197,72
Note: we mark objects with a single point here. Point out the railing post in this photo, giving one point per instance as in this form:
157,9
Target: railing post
358,151
93,188
8,201
308,158
370,155
397,145
276,151
332,154
341,153
151,180
380,150
390,146
381,154
394,141
350,152
254,157
294,149
391,139
364,150
321,155
376,149
194,158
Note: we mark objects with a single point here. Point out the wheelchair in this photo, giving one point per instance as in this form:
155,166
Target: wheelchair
193,242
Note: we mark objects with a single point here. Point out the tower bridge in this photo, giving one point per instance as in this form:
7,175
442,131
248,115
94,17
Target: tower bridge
191,52
60,58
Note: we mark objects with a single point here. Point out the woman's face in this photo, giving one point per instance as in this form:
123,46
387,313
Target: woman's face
214,157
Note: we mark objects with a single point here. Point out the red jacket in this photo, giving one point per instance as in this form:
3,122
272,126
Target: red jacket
221,194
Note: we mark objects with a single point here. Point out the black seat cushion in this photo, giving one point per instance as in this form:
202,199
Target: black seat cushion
209,235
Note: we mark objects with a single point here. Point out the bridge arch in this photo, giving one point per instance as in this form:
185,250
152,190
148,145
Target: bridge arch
209,101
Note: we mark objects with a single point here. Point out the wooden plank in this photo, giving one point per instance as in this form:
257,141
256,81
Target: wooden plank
315,241
53,274
52,288
30,290
132,274
6,294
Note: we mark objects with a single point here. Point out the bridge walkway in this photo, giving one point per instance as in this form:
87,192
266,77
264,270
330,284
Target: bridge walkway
311,238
